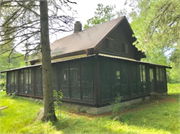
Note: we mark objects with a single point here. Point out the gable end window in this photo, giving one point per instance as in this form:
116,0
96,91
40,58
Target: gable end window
108,43
125,48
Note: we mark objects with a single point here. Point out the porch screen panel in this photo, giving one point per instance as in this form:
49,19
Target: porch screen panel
116,78
38,78
87,80
151,79
160,79
143,79
8,82
143,82
64,79
125,79
54,76
16,81
157,78
12,83
75,80
21,81
134,77
31,81
26,80
105,77
139,79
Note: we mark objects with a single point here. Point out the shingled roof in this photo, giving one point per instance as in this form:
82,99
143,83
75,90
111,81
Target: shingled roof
87,39
83,40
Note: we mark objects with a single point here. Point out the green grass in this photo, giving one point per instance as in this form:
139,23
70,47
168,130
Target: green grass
155,116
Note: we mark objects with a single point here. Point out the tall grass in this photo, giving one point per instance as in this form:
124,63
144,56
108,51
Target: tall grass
156,116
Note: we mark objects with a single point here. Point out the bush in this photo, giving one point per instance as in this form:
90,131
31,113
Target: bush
117,107
13,95
57,96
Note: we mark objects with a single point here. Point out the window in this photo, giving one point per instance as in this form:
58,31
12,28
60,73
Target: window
109,43
118,75
125,48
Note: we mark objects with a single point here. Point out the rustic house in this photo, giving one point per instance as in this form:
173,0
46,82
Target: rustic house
92,66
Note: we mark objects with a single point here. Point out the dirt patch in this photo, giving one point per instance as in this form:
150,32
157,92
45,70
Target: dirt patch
162,100
74,113
132,108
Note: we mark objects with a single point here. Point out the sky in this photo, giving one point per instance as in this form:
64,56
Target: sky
86,9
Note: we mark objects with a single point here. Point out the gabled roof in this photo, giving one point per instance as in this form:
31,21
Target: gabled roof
85,39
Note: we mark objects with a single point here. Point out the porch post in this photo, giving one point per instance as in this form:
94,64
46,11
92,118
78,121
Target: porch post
97,91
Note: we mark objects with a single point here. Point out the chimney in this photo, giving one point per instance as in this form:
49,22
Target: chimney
77,27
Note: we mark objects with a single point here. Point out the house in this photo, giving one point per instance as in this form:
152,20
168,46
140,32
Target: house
92,66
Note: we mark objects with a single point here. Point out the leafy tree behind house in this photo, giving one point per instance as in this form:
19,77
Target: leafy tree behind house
101,15
156,27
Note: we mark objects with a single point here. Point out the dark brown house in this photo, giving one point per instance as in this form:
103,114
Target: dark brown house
92,66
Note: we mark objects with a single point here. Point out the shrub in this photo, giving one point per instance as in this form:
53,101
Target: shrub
117,107
13,95
57,96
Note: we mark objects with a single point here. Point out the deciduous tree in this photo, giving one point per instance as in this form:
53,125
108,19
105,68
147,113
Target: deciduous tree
102,14
156,24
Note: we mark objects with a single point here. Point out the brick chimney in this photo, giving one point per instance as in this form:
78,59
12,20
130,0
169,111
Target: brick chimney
77,27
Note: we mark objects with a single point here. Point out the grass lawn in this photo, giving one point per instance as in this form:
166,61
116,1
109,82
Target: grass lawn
152,116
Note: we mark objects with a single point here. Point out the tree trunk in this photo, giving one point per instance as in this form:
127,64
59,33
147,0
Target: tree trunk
49,113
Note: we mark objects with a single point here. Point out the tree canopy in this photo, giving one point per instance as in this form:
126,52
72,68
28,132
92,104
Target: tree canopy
21,20
102,14
156,26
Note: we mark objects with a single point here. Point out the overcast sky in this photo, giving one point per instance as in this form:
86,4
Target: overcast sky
86,8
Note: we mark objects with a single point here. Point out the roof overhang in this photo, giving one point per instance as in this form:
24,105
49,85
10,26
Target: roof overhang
132,60
93,55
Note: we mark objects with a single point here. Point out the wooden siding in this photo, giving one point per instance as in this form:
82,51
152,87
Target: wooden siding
119,37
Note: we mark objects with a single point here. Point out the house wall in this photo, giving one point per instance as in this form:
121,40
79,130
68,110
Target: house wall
120,45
